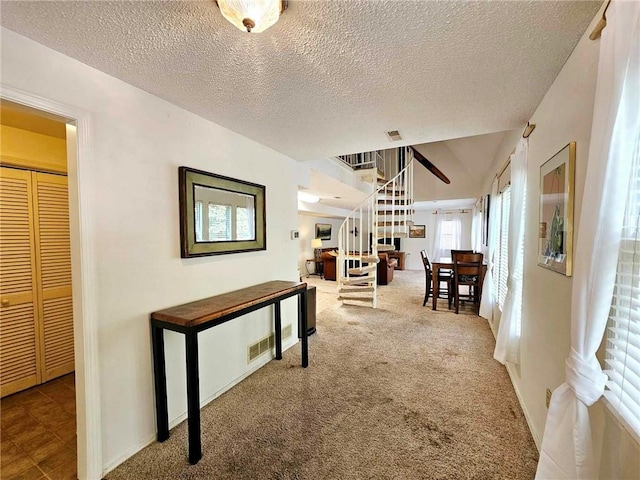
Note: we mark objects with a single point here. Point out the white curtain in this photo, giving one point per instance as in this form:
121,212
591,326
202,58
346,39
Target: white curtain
508,338
476,234
487,301
447,237
456,228
566,446
436,253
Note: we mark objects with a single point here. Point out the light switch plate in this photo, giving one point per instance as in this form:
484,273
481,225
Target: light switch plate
295,234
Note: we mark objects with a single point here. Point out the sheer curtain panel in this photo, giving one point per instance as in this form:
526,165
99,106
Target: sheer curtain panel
456,232
448,234
566,446
436,254
508,338
487,301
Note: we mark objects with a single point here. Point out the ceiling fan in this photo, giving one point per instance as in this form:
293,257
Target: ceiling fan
429,166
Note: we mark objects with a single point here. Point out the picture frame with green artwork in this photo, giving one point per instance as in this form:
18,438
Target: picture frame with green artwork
555,237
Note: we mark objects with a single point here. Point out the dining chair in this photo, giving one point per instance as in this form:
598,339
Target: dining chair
467,270
442,277
455,252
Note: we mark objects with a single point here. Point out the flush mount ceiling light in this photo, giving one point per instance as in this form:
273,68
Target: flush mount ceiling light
252,15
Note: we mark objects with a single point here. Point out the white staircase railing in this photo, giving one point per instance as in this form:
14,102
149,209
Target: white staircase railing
386,214
385,161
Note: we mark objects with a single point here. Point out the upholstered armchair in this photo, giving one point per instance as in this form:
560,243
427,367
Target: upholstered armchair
386,266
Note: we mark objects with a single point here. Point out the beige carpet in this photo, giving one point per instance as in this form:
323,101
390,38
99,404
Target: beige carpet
400,392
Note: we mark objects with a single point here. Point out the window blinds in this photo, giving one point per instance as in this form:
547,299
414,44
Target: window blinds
244,228
198,221
496,207
622,358
219,222
446,236
503,259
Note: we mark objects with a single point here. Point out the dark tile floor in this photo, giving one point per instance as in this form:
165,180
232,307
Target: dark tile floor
38,432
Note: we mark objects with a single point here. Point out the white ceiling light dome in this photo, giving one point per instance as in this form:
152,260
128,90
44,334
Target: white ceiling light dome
251,15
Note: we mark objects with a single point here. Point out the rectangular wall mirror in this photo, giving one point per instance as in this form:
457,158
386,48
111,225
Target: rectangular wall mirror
220,215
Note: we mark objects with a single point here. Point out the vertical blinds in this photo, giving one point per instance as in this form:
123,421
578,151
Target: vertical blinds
622,358
503,262
219,222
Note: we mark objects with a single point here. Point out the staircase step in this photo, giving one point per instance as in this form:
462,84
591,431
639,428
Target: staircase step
396,234
386,248
363,259
356,290
390,191
402,223
361,270
356,299
395,202
391,212
358,280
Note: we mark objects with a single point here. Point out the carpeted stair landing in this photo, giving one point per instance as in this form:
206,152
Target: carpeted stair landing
400,392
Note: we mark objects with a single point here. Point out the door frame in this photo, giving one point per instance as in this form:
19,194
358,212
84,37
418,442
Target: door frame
83,272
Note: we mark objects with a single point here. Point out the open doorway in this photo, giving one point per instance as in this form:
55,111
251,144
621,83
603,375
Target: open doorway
44,407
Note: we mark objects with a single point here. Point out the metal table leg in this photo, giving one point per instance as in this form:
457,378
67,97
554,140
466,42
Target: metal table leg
160,383
193,398
278,329
302,311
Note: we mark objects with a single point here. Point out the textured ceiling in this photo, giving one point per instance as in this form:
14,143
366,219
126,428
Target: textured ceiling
331,76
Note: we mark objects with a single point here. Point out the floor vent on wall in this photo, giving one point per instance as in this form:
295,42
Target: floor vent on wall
286,331
266,344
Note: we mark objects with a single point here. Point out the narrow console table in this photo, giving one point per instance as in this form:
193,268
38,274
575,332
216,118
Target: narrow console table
192,318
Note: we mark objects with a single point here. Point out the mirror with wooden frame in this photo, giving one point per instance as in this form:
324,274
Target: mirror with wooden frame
220,215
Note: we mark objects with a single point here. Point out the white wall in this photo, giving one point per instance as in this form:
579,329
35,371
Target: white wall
564,115
428,218
138,141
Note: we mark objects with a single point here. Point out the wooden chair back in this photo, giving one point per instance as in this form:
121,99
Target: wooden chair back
467,270
425,261
466,265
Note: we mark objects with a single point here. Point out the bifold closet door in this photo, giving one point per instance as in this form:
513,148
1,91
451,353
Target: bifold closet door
19,330
53,256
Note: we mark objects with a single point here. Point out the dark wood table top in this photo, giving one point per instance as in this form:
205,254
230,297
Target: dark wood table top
212,308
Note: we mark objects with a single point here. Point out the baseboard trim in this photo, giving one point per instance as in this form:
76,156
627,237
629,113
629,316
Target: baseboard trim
527,416
182,417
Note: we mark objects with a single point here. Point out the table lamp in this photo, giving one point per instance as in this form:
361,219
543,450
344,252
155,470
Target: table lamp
316,244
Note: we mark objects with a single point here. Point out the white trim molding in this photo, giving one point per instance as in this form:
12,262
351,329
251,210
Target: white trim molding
83,264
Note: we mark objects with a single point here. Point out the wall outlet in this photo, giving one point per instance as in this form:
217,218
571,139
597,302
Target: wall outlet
295,234
548,399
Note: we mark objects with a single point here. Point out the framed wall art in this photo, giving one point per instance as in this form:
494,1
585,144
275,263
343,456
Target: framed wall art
219,215
555,249
417,231
323,231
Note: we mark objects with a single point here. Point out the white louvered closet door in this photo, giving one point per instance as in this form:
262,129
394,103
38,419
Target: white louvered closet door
19,331
53,256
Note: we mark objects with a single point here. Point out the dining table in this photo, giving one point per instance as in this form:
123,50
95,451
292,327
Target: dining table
445,263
